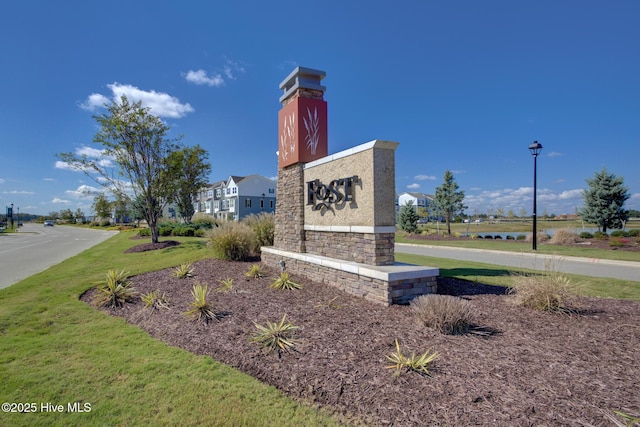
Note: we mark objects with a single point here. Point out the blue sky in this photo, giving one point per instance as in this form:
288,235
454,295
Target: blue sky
463,85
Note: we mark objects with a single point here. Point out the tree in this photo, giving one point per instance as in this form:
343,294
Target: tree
604,201
102,206
66,214
79,215
191,170
408,218
135,158
448,199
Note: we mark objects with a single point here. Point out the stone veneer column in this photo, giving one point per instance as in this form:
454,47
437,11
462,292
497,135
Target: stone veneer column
302,137
289,231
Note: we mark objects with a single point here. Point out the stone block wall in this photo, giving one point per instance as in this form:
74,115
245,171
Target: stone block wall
385,292
364,248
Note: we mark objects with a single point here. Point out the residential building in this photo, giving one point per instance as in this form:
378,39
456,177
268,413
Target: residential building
237,197
419,200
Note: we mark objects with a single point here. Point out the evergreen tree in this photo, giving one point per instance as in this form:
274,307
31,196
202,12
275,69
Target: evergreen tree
604,201
408,218
448,199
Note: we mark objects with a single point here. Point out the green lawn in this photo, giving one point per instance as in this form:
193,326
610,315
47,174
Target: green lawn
505,276
523,247
56,349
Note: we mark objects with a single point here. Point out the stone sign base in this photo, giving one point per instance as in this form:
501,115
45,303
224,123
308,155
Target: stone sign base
384,284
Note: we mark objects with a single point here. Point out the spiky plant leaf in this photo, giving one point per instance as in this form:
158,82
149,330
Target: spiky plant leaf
183,271
115,291
285,282
419,364
275,336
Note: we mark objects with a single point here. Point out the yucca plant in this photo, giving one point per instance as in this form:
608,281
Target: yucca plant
155,300
275,336
115,291
255,271
285,282
225,285
420,364
183,271
200,309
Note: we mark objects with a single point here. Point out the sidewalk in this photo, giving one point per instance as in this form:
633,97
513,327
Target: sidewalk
623,270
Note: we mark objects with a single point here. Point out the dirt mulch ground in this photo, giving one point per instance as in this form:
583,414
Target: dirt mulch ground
535,369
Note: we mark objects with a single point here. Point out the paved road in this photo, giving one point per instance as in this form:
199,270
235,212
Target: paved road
36,248
624,270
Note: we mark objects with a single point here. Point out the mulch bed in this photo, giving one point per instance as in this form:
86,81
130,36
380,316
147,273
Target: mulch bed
534,369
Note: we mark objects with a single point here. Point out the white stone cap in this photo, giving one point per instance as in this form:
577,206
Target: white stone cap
352,228
376,143
387,273
302,77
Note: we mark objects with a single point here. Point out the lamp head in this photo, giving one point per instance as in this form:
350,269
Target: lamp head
535,148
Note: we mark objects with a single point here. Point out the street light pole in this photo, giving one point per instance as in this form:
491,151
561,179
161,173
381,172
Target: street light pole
535,149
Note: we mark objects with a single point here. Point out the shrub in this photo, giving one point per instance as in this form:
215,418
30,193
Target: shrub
183,230
617,242
547,291
225,285
444,313
419,364
183,271
564,237
200,308
541,237
263,227
231,241
165,230
634,232
600,235
105,222
510,237
619,233
115,291
255,271
586,235
284,282
155,300
521,237
204,221
488,236
144,232
275,336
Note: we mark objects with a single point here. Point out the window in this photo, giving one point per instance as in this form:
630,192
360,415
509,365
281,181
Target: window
210,193
228,191
272,190
218,193
271,204
262,204
235,190
247,203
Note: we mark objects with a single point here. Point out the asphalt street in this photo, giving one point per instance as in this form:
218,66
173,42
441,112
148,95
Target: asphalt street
624,270
35,248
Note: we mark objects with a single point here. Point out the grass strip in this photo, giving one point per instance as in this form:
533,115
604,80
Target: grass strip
503,276
56,350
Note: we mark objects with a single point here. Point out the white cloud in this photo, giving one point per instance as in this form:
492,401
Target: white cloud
49,179
2,181
18,192
94,101
554,154
89,152
413,186
215,79
200,77
161,104
571,194
84,192
58,201
635,196
424,177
